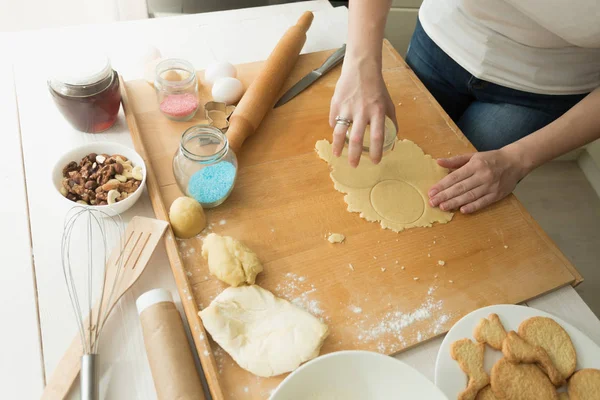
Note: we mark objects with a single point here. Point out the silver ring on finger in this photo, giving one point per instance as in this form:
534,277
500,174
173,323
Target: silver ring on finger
342,121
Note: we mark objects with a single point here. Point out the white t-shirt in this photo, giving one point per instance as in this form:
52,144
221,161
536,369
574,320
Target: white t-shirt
538,46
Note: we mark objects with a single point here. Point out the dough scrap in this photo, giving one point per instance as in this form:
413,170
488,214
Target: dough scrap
517,350
336,238
490,330
548,334
230,261
521,382
469,356
585,384
393,192
187,217
265,335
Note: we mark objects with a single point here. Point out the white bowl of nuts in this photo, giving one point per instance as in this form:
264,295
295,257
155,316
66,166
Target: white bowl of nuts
103,175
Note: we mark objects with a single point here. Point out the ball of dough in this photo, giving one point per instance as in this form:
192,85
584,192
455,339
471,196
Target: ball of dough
187,217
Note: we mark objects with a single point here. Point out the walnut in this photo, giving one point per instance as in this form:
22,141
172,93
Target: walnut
72,166
101,196
106,173
129,187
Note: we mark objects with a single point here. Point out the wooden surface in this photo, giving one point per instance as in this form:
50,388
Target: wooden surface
284,205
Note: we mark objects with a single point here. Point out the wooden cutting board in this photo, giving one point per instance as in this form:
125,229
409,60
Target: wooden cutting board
379,290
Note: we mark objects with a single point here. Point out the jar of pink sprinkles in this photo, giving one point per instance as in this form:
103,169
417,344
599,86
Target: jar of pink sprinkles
176,87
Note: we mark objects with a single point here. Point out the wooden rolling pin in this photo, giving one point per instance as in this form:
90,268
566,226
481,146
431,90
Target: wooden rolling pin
264,91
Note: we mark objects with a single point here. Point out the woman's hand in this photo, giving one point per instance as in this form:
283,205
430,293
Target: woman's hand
361,97
479,180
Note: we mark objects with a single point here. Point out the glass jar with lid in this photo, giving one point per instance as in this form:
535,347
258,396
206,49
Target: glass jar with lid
176,88
389,137
205,168
85,89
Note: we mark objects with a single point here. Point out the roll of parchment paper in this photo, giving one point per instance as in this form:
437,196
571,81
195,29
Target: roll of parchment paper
167,348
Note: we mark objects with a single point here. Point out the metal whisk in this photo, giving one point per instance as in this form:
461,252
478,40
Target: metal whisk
88,236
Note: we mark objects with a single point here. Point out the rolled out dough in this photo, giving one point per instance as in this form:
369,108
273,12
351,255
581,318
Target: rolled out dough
393,192
264,334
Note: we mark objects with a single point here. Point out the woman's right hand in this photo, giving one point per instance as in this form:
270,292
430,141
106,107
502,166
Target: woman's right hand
361,97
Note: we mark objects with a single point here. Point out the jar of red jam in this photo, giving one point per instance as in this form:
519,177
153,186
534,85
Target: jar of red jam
86,91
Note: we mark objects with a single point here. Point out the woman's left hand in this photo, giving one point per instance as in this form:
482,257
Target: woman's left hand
478,180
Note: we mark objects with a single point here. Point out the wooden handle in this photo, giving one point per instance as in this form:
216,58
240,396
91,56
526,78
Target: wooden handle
264,90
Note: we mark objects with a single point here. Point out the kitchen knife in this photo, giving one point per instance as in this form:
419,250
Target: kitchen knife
312,76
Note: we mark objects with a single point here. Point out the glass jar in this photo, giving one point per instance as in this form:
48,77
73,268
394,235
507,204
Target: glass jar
86,92
205,168
176,88
389,137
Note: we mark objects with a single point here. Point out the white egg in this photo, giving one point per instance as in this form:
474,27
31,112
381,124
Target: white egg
221,69
227,90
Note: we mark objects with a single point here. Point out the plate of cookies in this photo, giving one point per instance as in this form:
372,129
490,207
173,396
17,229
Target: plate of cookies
517,353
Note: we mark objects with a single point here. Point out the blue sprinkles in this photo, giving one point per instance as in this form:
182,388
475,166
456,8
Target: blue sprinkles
212,184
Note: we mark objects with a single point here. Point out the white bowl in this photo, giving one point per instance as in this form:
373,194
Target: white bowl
109,148
356,375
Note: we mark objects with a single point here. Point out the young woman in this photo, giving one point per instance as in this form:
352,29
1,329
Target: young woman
521,79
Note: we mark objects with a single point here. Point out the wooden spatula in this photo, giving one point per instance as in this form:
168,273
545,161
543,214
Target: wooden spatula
141,237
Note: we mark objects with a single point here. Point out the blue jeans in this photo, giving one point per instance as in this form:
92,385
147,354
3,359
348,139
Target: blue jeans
491,116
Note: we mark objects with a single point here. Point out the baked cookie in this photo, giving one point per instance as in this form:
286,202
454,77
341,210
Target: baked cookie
521,382
490,330
469,356
585,385
517,350
486,394
549,335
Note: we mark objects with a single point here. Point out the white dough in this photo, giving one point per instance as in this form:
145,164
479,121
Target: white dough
265,335
230,261
227,90
187,217
221,69
336,238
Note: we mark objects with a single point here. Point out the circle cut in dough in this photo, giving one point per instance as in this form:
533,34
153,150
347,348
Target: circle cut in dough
187,217
397,201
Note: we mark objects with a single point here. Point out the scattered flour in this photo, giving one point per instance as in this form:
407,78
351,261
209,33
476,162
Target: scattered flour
355,309
395,321
298,291
201,336
222,222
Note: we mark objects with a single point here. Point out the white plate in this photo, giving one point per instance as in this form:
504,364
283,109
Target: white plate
356,375
450,378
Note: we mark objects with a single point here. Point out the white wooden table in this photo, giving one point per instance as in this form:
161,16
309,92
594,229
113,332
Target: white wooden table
36,314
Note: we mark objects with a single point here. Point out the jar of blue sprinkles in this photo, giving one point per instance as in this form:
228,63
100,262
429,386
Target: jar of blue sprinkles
205,168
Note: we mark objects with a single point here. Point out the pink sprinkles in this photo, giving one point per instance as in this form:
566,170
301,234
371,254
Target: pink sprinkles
179,105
